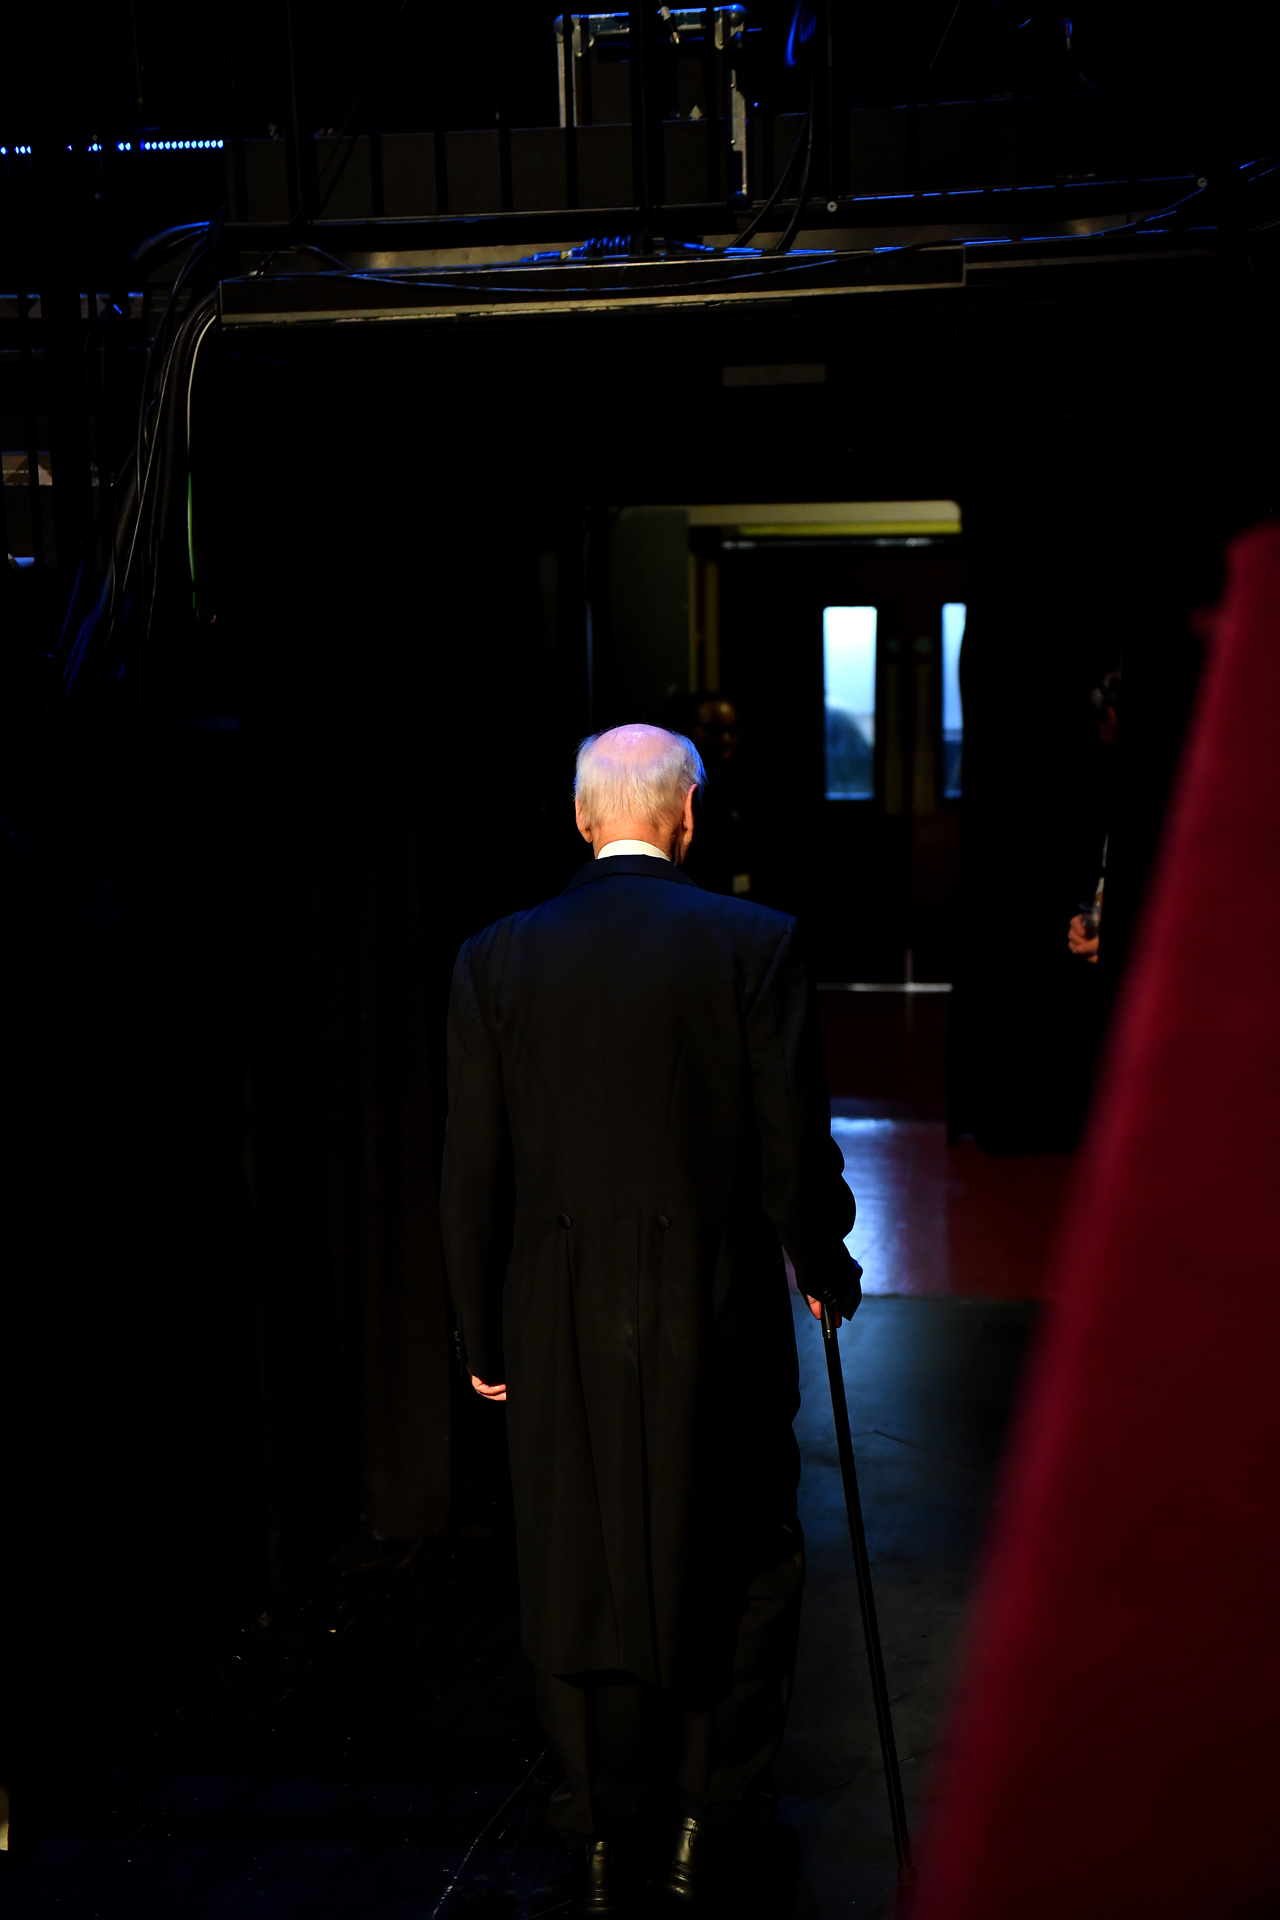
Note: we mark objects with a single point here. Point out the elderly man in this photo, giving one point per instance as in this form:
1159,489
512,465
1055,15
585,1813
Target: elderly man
638,1126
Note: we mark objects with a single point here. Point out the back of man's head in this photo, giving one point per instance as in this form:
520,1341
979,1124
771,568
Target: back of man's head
635,774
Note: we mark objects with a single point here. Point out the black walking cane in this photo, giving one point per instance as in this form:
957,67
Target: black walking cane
866,1600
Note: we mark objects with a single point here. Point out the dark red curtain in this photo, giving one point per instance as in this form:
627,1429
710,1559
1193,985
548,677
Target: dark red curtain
1115,1750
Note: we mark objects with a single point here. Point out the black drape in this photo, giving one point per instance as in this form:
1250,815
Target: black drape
225,1332
225,1340
134,1514
342,1147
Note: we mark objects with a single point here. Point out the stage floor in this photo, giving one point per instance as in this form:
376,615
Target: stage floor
369,1752
939,1220
931,1385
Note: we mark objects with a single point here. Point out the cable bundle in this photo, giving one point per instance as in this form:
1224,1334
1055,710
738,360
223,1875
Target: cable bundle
109,620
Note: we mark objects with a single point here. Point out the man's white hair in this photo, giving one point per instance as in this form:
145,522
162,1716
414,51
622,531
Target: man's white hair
636,773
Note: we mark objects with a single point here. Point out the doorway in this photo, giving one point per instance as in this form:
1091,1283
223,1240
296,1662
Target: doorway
780,603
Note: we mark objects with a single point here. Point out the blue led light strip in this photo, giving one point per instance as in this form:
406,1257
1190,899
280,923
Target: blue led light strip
144,146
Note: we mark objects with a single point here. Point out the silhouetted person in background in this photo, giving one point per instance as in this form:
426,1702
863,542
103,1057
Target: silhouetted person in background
638,1124
727,853
1084,1007
1084,931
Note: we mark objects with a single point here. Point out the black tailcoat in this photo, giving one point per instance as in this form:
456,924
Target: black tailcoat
638,1123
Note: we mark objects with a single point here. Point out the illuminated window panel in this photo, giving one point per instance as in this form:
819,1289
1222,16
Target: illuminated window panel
849,696
952,711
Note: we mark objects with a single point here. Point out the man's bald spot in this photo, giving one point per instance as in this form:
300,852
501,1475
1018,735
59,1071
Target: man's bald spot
637,749
635,773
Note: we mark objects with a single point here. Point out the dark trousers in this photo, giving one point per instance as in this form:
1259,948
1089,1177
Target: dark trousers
630,1750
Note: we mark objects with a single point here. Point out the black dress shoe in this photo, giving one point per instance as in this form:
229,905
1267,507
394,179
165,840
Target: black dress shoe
591,1890
680,1880
600,1879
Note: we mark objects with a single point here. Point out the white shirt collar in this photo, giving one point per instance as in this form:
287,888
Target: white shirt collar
632,846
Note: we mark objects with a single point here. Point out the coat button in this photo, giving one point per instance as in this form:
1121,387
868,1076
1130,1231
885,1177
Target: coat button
663,1221
563,1220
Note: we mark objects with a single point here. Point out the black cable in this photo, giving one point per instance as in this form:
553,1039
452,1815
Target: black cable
306,246
159,357
828,258
802,194
1204,185
141,510
803,138
168,461
154,353
325,198
177,452
300,216
951,20
142,261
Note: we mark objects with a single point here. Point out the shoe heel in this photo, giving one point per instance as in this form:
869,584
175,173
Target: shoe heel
681,1877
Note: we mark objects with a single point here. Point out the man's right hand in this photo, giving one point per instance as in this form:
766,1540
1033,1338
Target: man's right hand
815,1308
485,1391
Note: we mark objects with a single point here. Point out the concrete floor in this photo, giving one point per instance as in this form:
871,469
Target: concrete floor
372,1752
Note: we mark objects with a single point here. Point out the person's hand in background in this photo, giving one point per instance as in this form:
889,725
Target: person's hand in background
1081,941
